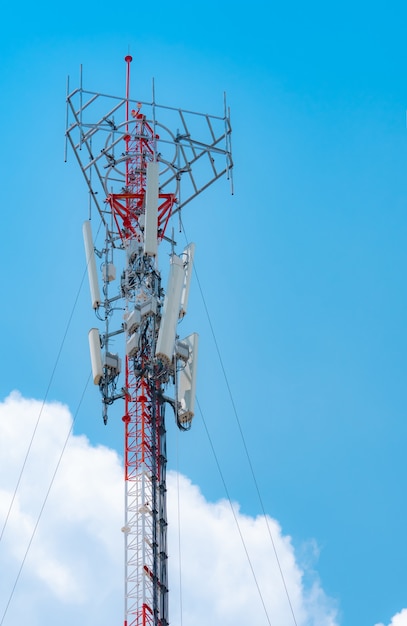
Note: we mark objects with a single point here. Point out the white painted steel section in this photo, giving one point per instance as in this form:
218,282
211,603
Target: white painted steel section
139,549
188,255
95,355
91,264
151,210
172,301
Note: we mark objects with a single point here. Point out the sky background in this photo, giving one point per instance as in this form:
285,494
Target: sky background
300,305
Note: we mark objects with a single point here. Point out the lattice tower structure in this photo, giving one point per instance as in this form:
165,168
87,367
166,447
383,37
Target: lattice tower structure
118,146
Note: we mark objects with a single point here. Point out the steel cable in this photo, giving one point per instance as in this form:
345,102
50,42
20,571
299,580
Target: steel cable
244,446
44,502
45,398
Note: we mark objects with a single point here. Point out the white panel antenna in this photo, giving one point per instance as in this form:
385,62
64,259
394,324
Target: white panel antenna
91,265
95,355
188,256
108,272
132,344
187,381
112,363
132,320
172,301
151,210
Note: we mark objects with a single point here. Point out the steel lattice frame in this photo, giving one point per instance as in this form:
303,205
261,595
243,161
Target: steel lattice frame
114,140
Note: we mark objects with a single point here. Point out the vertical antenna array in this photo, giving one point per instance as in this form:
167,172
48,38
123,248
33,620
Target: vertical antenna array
135,165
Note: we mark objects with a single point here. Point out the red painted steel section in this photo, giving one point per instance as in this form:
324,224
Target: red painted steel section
128,206
142,417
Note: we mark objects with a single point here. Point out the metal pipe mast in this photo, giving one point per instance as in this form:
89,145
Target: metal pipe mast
135,167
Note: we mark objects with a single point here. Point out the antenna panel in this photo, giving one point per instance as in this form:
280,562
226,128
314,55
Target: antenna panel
151,210
95,355
188,255
109,272
91,264
132,344
132,320
166,335
187,381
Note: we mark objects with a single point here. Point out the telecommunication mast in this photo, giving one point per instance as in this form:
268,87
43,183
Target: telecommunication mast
143,162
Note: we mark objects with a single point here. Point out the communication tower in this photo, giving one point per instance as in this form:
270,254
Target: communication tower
143,162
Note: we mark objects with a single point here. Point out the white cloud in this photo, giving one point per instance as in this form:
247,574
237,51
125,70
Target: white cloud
74,566
216,572
400,619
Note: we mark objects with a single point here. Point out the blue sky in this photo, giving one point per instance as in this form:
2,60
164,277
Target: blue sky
302,270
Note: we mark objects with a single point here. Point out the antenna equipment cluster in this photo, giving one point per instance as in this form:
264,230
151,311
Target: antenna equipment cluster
142,163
